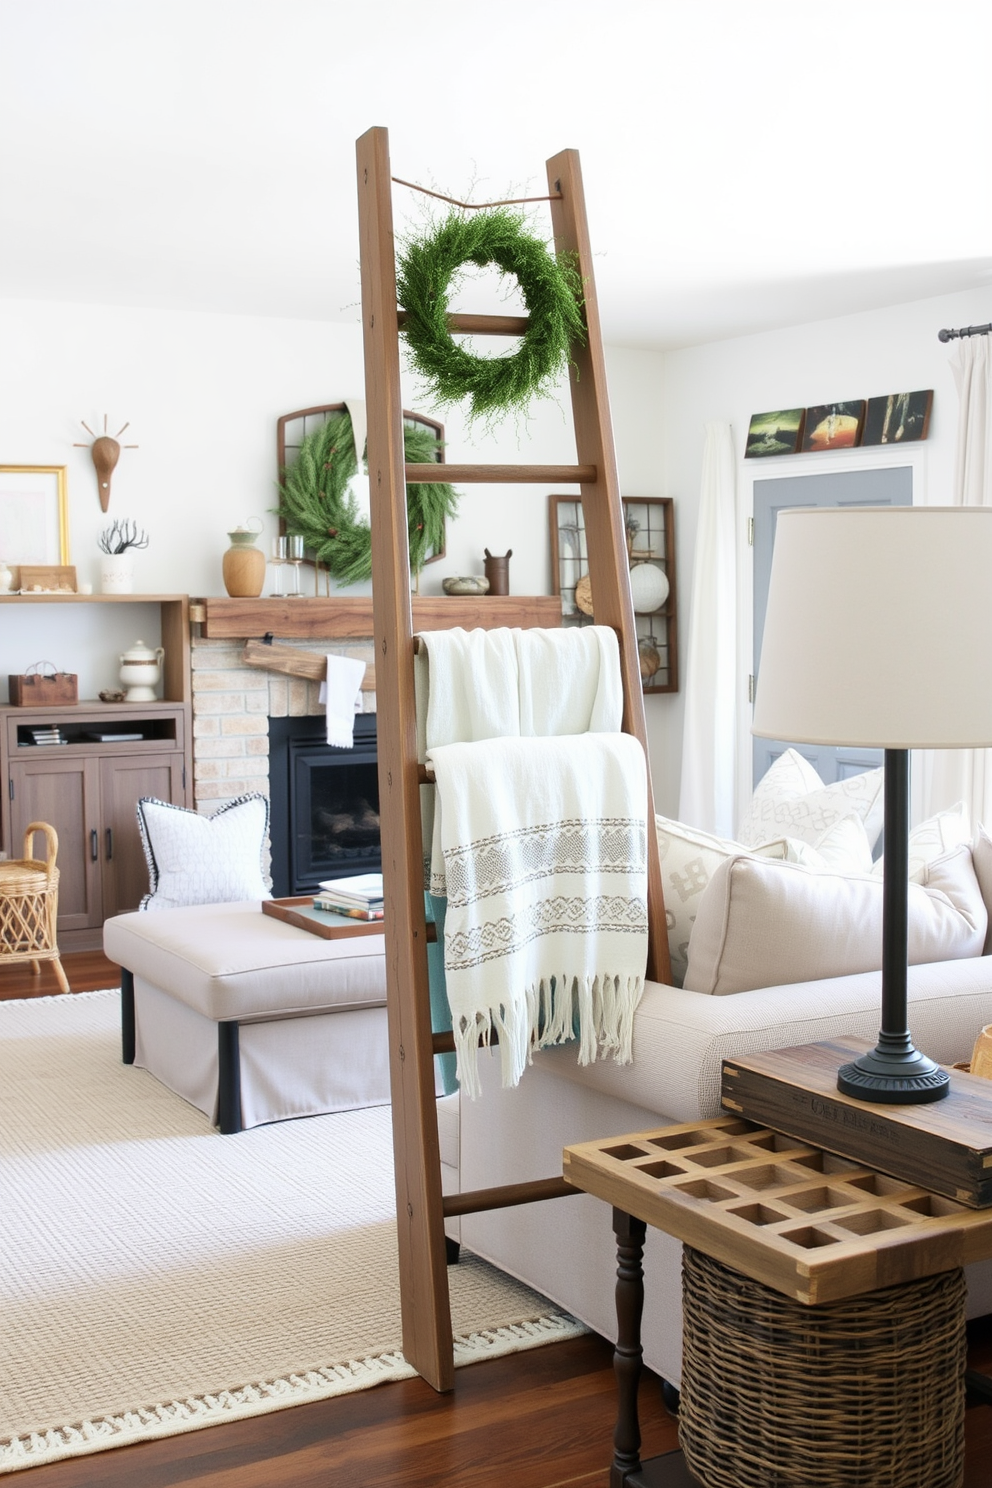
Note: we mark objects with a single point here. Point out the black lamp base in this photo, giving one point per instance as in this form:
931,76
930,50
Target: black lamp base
906,1078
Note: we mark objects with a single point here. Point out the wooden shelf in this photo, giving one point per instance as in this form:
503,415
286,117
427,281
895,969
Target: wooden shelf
345,618
91,598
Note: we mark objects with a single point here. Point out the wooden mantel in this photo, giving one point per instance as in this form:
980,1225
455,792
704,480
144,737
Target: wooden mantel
347,618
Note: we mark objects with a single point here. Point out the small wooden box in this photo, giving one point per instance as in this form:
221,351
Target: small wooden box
945,1147
41,690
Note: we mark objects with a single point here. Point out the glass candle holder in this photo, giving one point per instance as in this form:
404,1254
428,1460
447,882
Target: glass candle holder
277,560
294,546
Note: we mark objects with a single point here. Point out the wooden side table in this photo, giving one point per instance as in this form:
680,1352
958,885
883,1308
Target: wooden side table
807,1226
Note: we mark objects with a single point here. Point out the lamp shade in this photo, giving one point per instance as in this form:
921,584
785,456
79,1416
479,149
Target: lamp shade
878,628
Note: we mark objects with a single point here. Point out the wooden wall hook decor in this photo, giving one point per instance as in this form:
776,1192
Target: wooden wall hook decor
105,451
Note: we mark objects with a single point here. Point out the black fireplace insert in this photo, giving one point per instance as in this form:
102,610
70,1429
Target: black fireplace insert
324,803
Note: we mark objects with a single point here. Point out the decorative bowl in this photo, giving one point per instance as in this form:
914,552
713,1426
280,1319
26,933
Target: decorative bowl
466,584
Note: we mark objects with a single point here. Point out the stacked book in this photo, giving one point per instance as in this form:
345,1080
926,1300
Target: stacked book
49,735
360,898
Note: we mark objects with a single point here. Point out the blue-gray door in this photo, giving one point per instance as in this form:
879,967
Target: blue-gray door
888,486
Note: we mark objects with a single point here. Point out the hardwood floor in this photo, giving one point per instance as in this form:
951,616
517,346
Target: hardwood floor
539,1419
87,971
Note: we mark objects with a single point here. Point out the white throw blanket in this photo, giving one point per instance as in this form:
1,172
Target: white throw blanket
544,842
493,684
340,696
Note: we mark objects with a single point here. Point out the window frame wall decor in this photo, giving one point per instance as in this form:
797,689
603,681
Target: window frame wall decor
650,524
289,439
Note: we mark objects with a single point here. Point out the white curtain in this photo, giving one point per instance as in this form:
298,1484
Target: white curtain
709,736
966,774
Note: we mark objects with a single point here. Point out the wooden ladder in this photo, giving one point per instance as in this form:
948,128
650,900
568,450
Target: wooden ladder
421,1209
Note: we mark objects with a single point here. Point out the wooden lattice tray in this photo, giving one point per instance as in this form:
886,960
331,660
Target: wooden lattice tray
814,1226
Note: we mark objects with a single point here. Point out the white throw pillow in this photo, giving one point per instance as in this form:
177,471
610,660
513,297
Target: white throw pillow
932,839
765,924
792,801
194,859
689,857
844,847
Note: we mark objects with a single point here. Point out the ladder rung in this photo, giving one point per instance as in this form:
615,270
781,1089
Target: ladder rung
443,1043
481,325
425,775
504,1197
522,475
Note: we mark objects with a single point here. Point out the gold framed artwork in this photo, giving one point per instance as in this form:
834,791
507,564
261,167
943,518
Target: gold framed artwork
34,515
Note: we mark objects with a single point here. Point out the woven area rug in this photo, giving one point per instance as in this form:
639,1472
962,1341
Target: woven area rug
157,1277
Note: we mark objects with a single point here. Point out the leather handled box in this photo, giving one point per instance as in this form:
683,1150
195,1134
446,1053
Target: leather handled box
36,688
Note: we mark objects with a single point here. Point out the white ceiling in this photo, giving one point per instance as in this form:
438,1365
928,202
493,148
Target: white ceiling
747,163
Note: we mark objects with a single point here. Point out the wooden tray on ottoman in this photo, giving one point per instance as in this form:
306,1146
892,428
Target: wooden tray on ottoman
301,913
945,1147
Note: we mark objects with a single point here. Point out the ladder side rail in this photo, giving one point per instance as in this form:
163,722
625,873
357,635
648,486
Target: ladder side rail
602,509
427,1339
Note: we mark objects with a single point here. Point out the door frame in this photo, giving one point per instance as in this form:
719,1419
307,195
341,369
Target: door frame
781,467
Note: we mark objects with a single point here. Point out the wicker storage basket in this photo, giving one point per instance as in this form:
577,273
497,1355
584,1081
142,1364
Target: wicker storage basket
863,1393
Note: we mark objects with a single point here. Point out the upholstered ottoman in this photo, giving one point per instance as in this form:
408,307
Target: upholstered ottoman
248,1018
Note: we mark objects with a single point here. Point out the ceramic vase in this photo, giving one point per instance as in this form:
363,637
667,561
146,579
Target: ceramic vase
243,565
117,572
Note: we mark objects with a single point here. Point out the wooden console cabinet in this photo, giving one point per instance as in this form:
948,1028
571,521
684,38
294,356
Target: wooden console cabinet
88,788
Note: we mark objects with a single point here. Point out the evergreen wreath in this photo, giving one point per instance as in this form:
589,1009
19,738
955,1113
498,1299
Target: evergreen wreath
552,290
315,502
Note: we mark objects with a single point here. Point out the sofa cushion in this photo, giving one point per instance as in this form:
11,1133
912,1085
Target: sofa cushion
194,859
791,801
689,857
761,923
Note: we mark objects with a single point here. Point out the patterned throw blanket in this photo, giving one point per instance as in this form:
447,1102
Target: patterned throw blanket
544,848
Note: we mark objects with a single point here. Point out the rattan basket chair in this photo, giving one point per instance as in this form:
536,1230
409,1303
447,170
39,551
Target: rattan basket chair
29,898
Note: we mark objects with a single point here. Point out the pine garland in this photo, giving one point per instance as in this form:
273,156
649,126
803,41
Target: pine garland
315,502
551,289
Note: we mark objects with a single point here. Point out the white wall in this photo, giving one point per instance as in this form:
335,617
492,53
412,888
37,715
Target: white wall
202,394
853,356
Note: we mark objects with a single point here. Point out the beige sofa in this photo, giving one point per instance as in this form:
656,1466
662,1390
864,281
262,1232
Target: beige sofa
565,1247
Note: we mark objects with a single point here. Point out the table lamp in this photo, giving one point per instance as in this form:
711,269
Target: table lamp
878,633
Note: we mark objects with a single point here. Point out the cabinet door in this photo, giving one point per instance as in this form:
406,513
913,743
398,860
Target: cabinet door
65,793
124,779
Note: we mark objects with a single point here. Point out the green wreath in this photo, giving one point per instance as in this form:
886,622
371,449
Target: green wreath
315,502
551,289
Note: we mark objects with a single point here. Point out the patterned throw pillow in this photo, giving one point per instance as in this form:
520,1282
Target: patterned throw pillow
194,859
792,801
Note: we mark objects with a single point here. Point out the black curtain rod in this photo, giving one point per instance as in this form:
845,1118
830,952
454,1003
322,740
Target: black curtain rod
964,331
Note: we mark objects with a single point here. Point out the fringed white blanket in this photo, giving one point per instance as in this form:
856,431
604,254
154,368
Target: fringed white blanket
544,844
506,683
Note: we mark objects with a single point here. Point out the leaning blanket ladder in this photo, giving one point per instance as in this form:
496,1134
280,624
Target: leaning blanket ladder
421,1209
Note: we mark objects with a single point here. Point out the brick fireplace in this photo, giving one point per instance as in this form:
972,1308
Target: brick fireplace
232,706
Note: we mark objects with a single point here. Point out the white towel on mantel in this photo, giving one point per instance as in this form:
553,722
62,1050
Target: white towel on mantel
341,696
503,683
545,861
